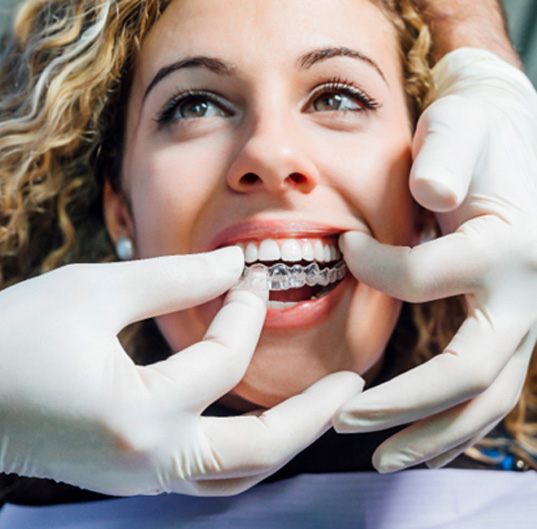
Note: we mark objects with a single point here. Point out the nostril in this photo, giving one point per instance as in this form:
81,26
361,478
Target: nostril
297,178
250,178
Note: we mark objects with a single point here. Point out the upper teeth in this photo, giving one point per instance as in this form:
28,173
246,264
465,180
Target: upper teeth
291,250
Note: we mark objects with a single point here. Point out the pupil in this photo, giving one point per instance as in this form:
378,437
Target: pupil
331,101
196,108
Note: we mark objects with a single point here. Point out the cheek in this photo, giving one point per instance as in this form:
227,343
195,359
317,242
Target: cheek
170,189
374,179
372,319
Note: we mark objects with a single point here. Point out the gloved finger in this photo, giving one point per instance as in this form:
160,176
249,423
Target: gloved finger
228,486
447,457
149,287
396,455
249,445
447,431
444,159
432,270
469,365
208,369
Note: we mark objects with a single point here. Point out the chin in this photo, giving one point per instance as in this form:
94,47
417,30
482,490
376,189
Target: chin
279,371
352,336
268,391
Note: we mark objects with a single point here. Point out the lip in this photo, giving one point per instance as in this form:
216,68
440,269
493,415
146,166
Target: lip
271,229
306,313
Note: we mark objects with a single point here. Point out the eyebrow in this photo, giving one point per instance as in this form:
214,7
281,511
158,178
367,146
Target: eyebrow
219,67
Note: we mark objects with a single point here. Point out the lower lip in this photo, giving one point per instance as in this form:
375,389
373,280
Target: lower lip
306,313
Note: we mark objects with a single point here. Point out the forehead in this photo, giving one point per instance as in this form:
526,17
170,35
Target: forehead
257,33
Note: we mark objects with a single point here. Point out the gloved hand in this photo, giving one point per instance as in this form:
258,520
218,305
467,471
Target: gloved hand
75,408
476,160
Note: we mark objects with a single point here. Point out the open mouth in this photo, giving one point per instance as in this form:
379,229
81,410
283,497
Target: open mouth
297,270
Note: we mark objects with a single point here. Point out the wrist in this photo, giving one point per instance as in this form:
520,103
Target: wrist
461,24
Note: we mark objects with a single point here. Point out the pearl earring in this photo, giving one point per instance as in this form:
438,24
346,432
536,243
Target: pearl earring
124,248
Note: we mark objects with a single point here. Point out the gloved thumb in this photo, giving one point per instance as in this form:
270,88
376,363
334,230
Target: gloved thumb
444,159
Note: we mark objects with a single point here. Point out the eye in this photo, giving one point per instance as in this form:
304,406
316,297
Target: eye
336,101
197,107
335,96
342,96
191,105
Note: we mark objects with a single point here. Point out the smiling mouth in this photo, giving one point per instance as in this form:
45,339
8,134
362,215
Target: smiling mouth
297,270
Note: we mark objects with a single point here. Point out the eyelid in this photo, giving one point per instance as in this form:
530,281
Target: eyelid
349,88
180,96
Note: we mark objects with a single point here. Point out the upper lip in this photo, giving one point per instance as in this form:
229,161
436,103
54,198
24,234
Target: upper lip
271,229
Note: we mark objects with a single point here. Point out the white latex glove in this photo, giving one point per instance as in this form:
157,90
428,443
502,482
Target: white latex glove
75,408
475,159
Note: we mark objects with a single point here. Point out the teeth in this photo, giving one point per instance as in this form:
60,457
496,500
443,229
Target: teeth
307,251
281,304
251,253
311,272
290,250
323,277
280,276
332,275
297,277
318,251
269,251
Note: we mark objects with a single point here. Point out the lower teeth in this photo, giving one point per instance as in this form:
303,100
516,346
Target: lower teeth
281,304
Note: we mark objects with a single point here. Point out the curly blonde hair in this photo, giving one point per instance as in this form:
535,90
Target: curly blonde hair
65,72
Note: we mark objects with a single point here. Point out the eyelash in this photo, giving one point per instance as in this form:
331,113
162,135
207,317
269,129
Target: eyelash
336,84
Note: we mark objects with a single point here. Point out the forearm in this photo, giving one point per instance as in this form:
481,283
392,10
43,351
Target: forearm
469,23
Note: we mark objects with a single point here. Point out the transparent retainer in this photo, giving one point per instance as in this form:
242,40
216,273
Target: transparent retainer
280,276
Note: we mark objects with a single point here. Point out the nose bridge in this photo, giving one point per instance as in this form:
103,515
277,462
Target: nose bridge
273,140
272,152
272,121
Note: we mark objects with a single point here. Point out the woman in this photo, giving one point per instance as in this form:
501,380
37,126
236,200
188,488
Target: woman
309,136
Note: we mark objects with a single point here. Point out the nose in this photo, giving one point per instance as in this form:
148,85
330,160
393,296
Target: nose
273,158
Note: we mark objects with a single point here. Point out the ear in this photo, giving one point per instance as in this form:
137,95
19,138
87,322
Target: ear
117,214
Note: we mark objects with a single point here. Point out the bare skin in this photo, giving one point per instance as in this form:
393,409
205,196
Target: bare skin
196,177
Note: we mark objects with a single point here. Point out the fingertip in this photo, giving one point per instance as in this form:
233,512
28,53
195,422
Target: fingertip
349,419
341,422
376,461
357,381
352,241
229,261
436,194
386,462
243,295
351,381
348,382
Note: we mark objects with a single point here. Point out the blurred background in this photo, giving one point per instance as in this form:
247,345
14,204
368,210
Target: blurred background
522,17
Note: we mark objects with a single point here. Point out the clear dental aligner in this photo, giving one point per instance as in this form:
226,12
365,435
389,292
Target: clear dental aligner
280,276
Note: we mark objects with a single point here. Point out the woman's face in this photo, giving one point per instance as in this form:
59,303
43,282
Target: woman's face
297,130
